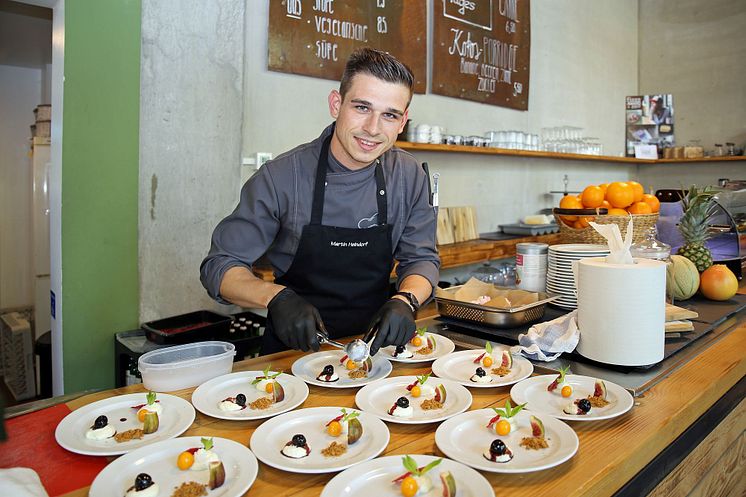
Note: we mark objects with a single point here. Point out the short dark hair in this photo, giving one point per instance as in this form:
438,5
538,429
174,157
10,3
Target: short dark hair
376,63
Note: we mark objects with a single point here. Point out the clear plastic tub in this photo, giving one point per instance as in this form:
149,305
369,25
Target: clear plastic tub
184,366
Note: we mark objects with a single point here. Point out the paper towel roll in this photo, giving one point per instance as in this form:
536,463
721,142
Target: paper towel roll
622,311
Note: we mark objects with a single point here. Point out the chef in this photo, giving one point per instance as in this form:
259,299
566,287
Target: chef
331,216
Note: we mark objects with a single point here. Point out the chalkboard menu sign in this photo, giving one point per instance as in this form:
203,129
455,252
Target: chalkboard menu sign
315,37
481,51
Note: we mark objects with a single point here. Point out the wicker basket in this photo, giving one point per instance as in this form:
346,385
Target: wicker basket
641,223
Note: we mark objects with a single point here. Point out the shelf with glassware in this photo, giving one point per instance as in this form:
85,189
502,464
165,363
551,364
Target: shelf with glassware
464,149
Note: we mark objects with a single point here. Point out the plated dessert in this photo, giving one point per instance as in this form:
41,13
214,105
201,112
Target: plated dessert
418,481
488,367
267,382
147,413
333,369
355,370
423,347
200,459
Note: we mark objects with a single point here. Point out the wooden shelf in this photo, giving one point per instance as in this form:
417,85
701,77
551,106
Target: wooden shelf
459,254
428,147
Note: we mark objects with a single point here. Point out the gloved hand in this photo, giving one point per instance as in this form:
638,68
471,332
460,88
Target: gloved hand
395,324
295,321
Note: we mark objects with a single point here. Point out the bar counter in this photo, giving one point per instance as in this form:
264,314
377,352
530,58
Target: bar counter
627,455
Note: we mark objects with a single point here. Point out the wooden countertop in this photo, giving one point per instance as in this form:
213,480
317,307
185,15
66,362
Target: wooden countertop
457,254
611,452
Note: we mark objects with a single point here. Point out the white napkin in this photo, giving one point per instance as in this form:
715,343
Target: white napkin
618,248
21,482
548,340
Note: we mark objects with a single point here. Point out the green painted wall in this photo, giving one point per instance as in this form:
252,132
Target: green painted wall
100,163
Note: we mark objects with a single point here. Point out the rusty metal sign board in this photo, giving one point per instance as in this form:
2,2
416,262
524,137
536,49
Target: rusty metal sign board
315,37
481,51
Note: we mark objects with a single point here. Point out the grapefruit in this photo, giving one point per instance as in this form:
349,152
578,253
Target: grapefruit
718,282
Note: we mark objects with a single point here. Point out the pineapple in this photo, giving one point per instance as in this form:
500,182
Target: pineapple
698,205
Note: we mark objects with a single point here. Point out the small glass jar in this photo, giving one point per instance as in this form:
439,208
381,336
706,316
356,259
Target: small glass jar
652,248
719,152
731,148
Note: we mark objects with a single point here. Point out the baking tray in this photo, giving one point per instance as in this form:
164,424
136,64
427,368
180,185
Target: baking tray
184,328
529,229
500,318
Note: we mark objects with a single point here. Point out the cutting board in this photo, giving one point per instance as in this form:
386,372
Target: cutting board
464,222
674,313
444,235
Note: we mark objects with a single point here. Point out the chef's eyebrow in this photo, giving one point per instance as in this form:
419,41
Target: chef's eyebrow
370,104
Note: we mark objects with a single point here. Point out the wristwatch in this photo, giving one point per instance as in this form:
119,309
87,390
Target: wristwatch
411,300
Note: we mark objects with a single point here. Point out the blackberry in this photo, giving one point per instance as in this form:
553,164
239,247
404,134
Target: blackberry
584,405
480,372
241,399
100,422
143,481
497,447
328,370
299,440
402,402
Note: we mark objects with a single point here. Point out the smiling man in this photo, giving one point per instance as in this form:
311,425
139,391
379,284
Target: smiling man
332,216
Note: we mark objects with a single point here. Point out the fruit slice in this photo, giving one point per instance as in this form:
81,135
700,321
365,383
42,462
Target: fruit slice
278,393
343,360
507,360
479,358
151,422
354,431
367,366
449,484
440,394
412,385
493,421
431,342
217,474
537,427
599,389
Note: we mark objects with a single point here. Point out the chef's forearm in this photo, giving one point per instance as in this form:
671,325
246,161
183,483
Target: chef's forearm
417,285
239,286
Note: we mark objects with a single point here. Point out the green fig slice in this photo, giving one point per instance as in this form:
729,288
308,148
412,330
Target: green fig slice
440,394
367,365
150,423
537,427
431,342
217,474
354,430
599,389
278,393
449,484
507,359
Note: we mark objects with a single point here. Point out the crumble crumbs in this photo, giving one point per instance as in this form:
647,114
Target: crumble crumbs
190,489
261,403
501,371
597,401
357,374
128,435
424,351
334,450
430,404
534,443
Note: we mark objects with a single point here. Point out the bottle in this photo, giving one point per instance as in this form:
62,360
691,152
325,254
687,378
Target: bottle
731,148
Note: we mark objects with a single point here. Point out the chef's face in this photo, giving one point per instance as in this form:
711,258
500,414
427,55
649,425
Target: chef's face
369,117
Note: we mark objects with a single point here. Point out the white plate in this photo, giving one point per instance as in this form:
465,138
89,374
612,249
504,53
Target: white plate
208,395
534,391
466,437
460,366
272,435
159,461
577,248
377,399
374,479
178,415
308,367
443,346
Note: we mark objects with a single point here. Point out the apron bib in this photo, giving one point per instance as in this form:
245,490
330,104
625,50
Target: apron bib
343,272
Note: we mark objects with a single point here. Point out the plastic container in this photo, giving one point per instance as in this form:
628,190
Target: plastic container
185,366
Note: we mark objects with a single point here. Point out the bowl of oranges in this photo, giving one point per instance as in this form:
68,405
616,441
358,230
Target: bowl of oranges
611,203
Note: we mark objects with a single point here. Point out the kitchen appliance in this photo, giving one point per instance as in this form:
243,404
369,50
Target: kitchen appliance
728,224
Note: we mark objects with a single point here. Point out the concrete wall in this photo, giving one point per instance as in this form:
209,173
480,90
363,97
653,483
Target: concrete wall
697,52
583,64
191,108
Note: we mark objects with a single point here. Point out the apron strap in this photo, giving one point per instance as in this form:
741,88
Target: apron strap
319,189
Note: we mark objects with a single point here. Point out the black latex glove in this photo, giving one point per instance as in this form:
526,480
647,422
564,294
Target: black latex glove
295,321
395,324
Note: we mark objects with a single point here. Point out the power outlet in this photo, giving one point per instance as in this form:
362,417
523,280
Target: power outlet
262,157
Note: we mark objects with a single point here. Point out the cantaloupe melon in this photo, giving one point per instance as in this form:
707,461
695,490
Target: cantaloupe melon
682,278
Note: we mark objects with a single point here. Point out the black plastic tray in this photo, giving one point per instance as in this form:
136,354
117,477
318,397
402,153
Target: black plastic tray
185,328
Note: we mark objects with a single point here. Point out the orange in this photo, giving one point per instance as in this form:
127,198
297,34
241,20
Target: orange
592,197
502,427
570,202
652,201
583,221
717,282
185,460
639,208
617,212
578,225
603,186
637,188
620,194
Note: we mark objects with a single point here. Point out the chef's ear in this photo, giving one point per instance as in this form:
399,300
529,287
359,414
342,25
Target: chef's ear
335,103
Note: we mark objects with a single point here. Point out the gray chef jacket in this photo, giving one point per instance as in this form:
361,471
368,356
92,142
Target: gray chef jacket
275,205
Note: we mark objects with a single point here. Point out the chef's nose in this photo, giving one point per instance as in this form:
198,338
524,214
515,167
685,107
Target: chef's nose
372,124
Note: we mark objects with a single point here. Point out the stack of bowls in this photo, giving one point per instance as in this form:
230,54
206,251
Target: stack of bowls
560,276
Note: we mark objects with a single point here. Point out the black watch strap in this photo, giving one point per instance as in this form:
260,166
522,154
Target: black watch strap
411,299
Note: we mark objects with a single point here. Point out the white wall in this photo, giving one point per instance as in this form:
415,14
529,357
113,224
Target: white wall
20,88
697,52
583,64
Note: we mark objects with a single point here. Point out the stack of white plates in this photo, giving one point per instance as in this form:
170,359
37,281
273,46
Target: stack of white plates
560,279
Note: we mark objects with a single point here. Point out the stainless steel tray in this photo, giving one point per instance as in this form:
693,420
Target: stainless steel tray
529,229
500,318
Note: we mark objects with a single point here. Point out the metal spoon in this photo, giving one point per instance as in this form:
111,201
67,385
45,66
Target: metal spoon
357,350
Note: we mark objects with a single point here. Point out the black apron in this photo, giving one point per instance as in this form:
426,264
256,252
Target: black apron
343,272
